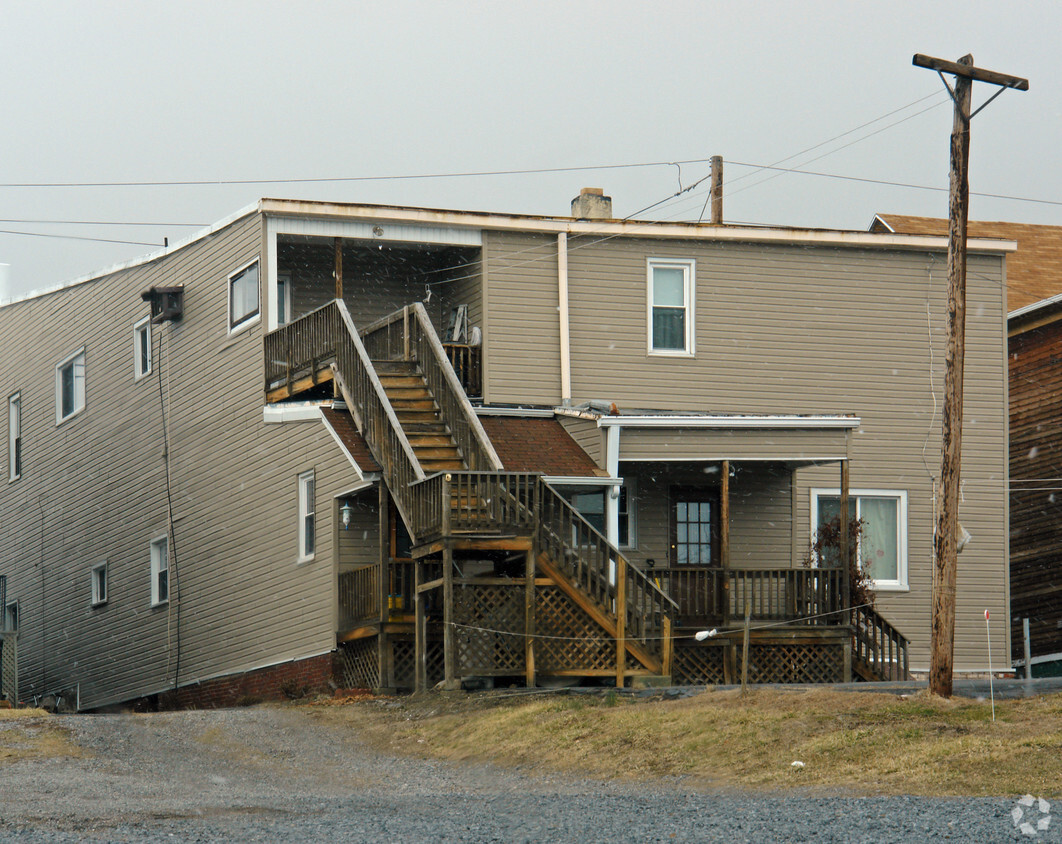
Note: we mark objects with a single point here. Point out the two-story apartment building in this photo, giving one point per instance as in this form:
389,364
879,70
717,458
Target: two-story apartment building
401,445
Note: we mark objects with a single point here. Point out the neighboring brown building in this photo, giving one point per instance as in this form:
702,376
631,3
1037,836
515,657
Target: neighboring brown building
1034,328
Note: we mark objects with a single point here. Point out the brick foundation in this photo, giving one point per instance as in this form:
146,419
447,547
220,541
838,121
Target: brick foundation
276,682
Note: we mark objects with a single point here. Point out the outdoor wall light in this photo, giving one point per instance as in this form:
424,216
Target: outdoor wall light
346,511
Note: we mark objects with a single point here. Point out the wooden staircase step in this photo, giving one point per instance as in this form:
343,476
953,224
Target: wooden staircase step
441,465
433,428
450,452
401,380
423,405
410,419
394,367
398,395
429,440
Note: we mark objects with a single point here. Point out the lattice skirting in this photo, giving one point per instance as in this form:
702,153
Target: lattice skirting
699,665
403,661
489,636
9,667
795,663
581,644
359,664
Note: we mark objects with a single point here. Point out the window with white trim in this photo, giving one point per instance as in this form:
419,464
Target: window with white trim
14,437
160,570
99,584
283,298
882,549
670,300
307,517
628,514
70,386
142,348
243,296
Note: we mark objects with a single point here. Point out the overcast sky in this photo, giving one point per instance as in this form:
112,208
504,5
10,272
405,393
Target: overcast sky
230,90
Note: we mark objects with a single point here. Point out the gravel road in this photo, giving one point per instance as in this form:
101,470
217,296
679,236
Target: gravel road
279,774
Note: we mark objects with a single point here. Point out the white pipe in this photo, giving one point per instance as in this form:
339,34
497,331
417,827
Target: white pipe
562,311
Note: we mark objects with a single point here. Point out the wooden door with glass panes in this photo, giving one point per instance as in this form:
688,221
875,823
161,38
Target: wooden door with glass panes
694,526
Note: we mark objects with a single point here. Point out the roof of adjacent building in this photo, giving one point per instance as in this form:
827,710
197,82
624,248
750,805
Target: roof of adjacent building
1034,271
538,445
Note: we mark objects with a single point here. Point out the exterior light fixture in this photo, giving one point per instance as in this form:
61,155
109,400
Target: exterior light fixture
346,511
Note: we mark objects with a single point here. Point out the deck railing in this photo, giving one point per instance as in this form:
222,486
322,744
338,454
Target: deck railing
301,348
879,645
798,595
409,335
359,596
467,362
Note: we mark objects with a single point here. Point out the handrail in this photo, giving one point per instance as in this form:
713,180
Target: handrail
879,645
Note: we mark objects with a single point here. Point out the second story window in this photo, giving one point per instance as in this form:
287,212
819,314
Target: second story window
142,348
160,571
14,437
243,296
671,307
70,387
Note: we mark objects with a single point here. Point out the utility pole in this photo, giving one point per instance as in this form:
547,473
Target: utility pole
944,542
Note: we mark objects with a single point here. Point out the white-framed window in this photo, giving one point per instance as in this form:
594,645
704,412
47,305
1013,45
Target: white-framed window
142,348
70,386
307,517
883,546
243,296
283,298
670,306
628,514
14,437
11,616
99,584
160,570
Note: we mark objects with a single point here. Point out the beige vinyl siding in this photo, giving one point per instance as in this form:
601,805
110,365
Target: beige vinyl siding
732,444
521,330
359,545
94,488
787,329
760,510
587,435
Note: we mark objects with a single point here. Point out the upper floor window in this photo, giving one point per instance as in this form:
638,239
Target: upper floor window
882,548
670,307
70,387
14,437
283,298
307,517
99,584
142,347
160,570
243,296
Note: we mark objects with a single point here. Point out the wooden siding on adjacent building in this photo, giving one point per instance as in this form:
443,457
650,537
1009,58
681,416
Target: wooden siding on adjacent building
1035,502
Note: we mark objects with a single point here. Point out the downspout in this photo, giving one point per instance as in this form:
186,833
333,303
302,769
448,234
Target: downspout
562,311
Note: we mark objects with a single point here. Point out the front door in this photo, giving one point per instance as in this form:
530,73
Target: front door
694,526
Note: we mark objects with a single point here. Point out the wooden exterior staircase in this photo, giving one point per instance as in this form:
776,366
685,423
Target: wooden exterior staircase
451,491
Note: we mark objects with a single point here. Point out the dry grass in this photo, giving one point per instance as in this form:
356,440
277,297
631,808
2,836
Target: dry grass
30,734
865,743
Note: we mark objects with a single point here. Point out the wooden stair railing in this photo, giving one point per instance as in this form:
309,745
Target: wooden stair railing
879,650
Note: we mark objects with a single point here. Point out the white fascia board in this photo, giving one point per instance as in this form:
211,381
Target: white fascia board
1035,306
580,480
633,228
725,422
801,461
293,412
143,259
537,412
361,486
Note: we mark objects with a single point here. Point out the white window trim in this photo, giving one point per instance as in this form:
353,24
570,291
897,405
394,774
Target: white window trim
631,485
283,280
251,319
689,267
99,599
9,616
79,400
14,437
143,326
307,510
156,569
900,495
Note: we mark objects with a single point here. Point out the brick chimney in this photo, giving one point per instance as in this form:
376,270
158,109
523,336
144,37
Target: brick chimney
592,204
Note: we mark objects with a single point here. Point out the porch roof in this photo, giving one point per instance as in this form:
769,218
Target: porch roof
341,423
535,444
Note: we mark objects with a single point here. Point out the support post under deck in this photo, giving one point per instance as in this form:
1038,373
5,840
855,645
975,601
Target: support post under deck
420,632
449,654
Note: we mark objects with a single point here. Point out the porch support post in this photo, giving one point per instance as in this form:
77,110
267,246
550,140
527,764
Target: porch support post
529,614
846,541
621,622
449,655
384,590
724,536
420,661
337,269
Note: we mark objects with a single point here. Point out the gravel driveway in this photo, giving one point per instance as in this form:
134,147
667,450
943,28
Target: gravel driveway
278,774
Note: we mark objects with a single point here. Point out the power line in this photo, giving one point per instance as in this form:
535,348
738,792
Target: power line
101,223
79,237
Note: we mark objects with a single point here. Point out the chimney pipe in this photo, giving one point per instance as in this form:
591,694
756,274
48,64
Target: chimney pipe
592,204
